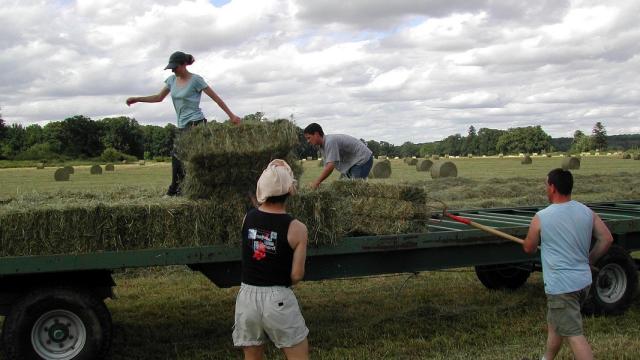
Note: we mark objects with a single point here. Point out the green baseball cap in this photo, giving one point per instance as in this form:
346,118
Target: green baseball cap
176,59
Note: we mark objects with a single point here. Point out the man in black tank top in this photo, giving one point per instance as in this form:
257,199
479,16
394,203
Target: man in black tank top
274,248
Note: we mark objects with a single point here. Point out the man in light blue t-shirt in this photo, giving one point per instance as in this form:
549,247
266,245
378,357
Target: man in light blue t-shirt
186,89
565,229
350,156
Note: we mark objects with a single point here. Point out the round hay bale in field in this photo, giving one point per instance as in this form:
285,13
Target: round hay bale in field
444,169
435,157
626,156
309,158
424,165
61,175
69,169
124,161
470,156
571,163
40,166
381,169
96,170
412,162
526,160
636,157
109,167
141,162
548,155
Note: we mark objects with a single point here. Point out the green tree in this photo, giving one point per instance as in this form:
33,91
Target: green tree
524,140
599,136
427,149
258,116
123,134
451,145
80,137
470,145
34,135
580,142
487,140
375,147
409,149
3,128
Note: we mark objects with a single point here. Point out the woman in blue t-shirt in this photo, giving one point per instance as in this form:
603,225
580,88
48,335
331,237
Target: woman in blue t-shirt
186,89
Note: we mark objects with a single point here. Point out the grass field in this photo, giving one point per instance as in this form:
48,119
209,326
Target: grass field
173,313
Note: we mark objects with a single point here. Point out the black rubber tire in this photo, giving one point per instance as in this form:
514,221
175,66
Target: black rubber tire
503,276
92,312
614,284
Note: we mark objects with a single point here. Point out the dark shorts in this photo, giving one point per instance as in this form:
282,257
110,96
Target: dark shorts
563,312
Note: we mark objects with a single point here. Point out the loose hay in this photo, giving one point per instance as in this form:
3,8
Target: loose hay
526,160
443,169
109,167
571,163
381,169
424,165
96,170
69,169
61,174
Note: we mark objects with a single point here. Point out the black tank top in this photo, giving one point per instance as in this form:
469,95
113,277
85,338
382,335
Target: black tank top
266,254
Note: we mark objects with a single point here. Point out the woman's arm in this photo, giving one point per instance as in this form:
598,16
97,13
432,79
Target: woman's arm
212,94
149,99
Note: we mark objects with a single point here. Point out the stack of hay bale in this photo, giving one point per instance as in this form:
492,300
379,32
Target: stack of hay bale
223,164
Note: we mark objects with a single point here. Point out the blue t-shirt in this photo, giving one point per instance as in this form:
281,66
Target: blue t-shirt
186,99
565,232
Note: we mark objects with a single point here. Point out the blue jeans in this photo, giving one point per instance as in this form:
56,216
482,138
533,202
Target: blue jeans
177,168
360,171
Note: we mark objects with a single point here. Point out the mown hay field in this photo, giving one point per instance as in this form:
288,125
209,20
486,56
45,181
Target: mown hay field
173,313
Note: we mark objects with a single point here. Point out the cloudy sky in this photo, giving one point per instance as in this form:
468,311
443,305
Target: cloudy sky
401,70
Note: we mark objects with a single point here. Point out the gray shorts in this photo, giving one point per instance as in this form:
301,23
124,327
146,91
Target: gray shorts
563,312
268,312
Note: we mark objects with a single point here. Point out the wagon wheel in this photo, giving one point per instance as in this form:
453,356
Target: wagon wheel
614,285
57,323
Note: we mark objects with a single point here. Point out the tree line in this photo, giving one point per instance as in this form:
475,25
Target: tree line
118,138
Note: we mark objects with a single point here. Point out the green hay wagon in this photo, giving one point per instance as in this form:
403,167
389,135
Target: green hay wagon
54,306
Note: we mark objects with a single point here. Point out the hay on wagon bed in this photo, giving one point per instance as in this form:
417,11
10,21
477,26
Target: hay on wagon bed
109,167
381,170
571,163
61,174
442,169
526,160
69,169
424,165
72,223
95,170
223,157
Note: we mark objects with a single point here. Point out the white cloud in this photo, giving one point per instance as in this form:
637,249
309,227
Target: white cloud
395,71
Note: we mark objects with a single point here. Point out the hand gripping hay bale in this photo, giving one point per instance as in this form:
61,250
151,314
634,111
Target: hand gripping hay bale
424,165
96,170
69,169
222,157
109,167
442,169
381,169
571,163
61,175
526,160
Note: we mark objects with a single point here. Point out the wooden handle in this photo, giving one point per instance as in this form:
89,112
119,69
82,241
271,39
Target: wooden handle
486,228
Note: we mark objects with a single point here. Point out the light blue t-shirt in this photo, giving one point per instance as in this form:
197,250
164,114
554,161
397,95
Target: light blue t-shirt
565,232
186,99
